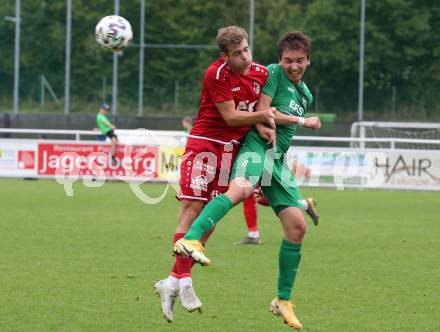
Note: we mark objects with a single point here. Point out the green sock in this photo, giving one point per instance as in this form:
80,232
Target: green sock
210,215
290,255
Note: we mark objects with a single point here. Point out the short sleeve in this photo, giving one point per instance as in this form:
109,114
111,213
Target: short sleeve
218,87
271,85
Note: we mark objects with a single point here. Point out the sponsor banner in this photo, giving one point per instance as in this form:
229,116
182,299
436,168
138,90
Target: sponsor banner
131,162
330,167
407,169
388,169
18,159
169,163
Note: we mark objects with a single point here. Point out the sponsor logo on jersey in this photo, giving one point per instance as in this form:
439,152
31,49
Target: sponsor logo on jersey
215,193
199,183
304,100
237,88
297,110
257,87
245,106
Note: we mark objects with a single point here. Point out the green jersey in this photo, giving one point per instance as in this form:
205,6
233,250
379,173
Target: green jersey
256,162
288,98
100,119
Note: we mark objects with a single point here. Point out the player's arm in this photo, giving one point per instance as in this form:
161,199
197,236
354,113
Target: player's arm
236,118
266,133
108,124
283,119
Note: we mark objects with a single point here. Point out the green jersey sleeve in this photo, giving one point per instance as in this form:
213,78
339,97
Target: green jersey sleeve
271,86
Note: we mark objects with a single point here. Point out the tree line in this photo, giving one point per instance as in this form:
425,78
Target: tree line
402,50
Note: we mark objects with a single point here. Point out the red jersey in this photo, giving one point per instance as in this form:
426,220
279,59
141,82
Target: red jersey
221,84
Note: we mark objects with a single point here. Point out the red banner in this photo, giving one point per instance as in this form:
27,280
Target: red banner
94,159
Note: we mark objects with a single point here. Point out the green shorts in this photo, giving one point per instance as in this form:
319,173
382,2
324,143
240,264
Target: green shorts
259,164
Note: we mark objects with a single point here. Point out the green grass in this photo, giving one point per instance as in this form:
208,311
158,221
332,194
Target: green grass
88,263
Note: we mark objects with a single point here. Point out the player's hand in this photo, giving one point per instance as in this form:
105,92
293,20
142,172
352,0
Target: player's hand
266,133
313,122
269,116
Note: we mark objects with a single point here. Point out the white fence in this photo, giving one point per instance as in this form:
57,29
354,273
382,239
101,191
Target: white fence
145,155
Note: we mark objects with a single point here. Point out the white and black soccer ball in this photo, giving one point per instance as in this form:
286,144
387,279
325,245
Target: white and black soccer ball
113,33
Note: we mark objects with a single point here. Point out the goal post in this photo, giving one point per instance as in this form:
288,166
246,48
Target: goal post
404,130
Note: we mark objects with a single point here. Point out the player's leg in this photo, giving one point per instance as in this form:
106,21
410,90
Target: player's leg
309,206
213,212
285,198
179,281
294,227
250,212
246,172
180,277
114,144
301,172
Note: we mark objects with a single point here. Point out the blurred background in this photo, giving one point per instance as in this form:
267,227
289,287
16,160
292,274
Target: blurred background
401,66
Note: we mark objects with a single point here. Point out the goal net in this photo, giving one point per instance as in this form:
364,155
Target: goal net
397,135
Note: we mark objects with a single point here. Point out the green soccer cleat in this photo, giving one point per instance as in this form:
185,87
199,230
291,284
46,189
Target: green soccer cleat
193,249
285,310
167,299
312,211
189,299
249,240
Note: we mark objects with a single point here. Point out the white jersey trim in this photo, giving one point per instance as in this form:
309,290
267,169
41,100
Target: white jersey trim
192,197
258,65
219,70
214,140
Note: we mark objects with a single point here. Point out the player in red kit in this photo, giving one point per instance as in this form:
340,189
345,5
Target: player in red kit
230,90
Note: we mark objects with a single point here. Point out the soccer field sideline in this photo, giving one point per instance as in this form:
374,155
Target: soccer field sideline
88,263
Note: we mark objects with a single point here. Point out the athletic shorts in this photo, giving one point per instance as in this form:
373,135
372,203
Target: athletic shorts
111,134
205,169
258,163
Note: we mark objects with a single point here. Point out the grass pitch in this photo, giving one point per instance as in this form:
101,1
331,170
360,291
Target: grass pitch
88,263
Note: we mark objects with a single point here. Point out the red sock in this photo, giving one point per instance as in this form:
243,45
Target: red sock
182,265
250,213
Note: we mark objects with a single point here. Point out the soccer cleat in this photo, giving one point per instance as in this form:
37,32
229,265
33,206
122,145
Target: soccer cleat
193,249
249,240
167,299
312,211
189,299
285,309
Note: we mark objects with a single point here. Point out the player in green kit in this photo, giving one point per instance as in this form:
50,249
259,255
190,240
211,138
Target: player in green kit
257,162
107,129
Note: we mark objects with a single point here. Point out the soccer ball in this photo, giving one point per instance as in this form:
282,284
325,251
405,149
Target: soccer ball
113,33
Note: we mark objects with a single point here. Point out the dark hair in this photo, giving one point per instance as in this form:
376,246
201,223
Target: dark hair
295,40
229,36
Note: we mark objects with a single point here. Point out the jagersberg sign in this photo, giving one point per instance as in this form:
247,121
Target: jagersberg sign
331,167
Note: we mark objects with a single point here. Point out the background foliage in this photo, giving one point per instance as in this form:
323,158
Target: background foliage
402,52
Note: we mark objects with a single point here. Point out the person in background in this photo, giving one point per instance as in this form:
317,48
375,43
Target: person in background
107,129
187,124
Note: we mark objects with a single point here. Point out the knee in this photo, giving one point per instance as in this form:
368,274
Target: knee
239,194
297,232
301,228
244,193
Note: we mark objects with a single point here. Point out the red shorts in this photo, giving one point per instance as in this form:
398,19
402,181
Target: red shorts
205,169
